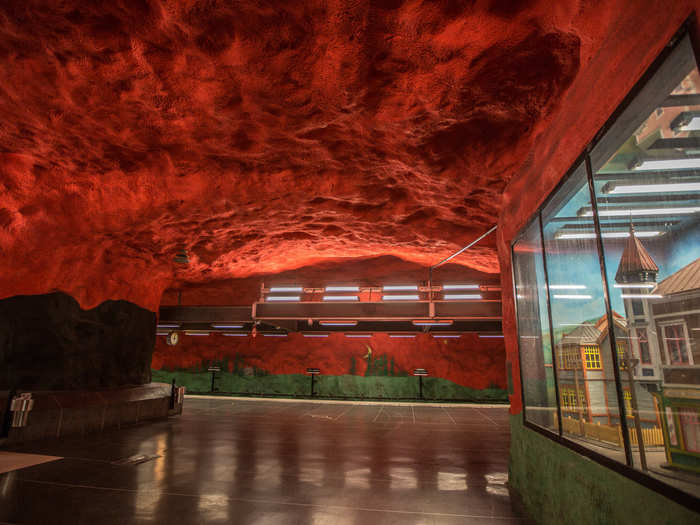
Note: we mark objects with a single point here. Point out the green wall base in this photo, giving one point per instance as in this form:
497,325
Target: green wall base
559,486
339,387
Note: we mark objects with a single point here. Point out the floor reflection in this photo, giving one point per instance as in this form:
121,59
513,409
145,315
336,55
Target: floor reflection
228,461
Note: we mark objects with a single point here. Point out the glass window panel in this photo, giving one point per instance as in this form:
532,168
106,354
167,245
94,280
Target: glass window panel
646,172
585,373
533,330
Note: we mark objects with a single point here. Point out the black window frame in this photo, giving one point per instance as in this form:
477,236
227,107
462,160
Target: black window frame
626,469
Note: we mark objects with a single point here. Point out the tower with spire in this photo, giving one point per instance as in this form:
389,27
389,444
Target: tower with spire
636,277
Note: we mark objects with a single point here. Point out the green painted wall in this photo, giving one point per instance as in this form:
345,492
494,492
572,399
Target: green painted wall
352,386
559,486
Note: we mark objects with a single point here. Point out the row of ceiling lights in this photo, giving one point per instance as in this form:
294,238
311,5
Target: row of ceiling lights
385,296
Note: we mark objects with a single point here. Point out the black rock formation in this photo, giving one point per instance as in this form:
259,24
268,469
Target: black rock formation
47,342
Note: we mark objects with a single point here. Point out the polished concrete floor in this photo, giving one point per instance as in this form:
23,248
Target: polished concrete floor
270,462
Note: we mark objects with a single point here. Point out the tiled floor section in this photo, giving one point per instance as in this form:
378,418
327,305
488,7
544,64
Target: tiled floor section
231,461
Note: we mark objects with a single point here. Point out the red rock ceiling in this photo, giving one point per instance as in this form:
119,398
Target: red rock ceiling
264,136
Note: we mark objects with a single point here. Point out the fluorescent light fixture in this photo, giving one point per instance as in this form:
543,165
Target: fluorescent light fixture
315,335
460,286
493,336
402,336
651,188
627,212
432,322
634,285
271,298
640,296
197,333
234,334
358,336
461,296
692,125
400,297
667,164
342,288
567,286
400,288
340,298
338,323
286,289
274,335
571,296
606,235
232,326
169,325
446,336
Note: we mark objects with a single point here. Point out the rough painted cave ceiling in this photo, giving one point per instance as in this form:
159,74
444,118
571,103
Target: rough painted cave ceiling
265,136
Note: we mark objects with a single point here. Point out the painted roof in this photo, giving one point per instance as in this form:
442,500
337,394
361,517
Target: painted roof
635,258
684,280
594,333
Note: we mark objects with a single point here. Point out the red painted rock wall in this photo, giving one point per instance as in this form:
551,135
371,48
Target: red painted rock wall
265,136
468,361
621,44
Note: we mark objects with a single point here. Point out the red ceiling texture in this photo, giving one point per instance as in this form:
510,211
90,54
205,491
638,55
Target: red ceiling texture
264,136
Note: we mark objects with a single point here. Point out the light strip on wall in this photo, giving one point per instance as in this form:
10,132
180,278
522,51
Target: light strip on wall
315,335
400,298
635,285
231,326
460,286
611,188
197,333
570,296
567,286
338,323
278,298
432,322
486,336
340,298
162,333
402,336
358,336
667,164
640,296
627,212
606,235
446,336
342,288
277,289
173,325
461,296
236,335
400,288
274,335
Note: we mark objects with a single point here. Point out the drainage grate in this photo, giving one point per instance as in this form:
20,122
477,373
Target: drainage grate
135,460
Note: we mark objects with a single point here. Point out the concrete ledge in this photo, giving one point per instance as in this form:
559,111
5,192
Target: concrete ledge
348,401
63,413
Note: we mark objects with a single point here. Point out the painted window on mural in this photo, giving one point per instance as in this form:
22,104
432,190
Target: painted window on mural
621,253
690,428
643,342
676,344
592,357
